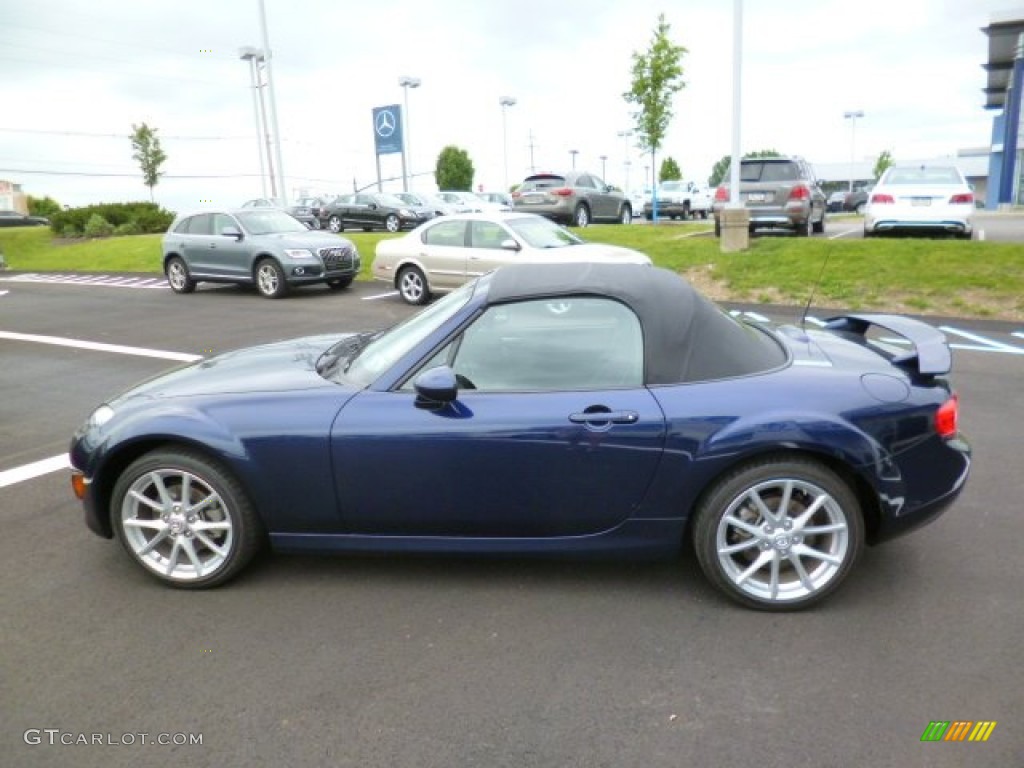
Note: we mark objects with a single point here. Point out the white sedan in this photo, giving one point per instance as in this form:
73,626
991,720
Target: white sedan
920,198
444,253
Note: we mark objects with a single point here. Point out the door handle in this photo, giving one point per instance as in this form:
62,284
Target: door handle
605,417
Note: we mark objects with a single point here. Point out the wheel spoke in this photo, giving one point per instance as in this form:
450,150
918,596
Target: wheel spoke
799,522
211,545
186,488
734,548
766,513
138,522
757,565
804,551
190,550
151,544
743,525
775,578
172,559
211,525
833,528
787,494
158,482
195,509
802,573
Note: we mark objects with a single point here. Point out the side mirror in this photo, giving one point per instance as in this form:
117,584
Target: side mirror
372,206
231,232
435,388
510,245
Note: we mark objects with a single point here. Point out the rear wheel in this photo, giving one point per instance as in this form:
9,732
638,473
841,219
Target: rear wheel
626,216
270,281
412,286
859,209
581,216
819,226
335,224
804,228
779,534
392,224
178,277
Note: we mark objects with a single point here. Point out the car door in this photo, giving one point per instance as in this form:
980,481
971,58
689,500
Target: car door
607,205
363,212
443,253
231,253
485,251
553,433
199,246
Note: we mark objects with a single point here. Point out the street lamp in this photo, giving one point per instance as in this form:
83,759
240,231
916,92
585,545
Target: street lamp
852,117
505,101
268,57
406,82
624,135
604,170
255,57
574,152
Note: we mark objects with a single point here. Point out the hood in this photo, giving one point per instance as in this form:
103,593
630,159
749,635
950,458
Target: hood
281,366
594,252
312,239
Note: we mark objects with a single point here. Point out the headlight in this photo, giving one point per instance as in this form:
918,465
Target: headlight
405,213
300,253
100,416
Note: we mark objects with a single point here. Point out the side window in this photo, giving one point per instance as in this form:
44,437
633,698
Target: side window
487,234
363,200
200,225
446,233
580,343
221,220
585,181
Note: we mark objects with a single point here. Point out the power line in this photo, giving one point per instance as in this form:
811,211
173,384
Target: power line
88,134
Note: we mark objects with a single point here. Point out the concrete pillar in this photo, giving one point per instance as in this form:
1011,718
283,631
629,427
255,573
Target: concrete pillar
735,229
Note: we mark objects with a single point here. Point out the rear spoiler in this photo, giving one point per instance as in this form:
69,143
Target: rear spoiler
929,351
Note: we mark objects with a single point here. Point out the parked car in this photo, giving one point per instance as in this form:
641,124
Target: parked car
857,200
570,409
368,211
574,197
501,198
470,202
445,253
441,207
18,219
315,206
301,210
679,200
779,192
920,198
835,201
261,246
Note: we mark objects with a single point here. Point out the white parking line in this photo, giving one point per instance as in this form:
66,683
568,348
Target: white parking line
844,234
1018,334
380,296
105,281
987,345
35,469
100,347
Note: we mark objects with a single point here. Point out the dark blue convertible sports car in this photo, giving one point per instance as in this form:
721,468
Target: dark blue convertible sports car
559,409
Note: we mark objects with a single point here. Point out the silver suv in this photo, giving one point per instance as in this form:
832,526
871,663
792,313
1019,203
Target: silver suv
778,192
264,246
576,197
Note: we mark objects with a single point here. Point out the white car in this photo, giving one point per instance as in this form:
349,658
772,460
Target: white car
444,253
471,202
920,198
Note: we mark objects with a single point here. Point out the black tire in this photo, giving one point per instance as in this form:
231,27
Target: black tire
412,286
581,215
340,283
186,542
732,533
859,209
392,223
270,279
818,227
315,224
335,224
626,214
686,211
178,276
803,228
718,227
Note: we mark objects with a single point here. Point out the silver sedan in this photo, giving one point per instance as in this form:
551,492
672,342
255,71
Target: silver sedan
444,253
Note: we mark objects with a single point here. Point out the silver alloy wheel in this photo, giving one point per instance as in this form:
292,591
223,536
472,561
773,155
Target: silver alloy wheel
627,215
392,224
582,217
334,224
412,285
268,279
177,525
782,540
177,275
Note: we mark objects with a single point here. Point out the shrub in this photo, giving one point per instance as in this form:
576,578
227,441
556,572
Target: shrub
68,230
148,217
128,228
97,226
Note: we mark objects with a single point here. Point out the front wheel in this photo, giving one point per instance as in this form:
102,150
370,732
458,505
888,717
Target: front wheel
178,277
270,281
412,286
778,534
392,224
184,519
626,216
335,224
581,216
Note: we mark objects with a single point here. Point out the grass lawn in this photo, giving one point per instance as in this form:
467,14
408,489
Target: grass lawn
941,277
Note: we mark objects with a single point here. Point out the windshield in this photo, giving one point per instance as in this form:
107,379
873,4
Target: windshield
538,232
389,347
671,186
268,222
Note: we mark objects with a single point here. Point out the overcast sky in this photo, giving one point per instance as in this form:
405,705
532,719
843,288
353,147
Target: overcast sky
75,77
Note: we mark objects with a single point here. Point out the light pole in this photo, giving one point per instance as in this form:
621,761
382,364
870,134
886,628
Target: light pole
852,117
254,56
406,82
505,102
604,169
573,153
267,58
624,135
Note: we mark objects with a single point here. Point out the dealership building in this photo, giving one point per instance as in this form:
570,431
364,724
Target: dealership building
1003,91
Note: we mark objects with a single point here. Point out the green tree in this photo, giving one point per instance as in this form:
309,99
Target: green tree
720,170
146,151
882,163
657,77
43,206
454,169
669,170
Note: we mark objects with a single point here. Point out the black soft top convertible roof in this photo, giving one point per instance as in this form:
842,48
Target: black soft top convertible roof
686,336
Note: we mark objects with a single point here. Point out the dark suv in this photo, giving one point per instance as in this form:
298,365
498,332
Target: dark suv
779,192
575,197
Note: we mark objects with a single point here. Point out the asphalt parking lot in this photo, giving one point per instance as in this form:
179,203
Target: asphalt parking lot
437,661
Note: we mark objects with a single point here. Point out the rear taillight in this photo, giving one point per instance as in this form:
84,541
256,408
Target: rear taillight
516,195
800,192
882,198
964,198
947,416
722,194
561,192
